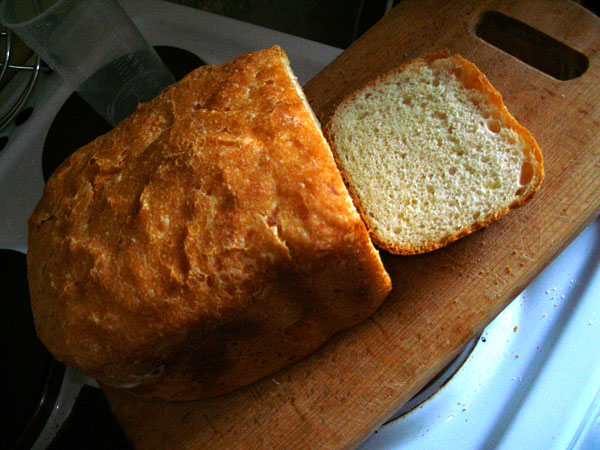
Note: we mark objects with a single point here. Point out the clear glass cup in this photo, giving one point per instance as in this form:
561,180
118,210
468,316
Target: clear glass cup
95,47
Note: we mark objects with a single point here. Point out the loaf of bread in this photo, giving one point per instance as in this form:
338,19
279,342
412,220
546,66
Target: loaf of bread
430,154
205,242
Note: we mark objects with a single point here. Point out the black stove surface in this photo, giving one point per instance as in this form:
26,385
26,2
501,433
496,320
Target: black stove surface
31,377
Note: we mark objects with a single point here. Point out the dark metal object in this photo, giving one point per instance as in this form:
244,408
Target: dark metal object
5,65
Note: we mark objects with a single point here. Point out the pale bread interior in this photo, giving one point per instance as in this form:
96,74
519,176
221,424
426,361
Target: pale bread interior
429,159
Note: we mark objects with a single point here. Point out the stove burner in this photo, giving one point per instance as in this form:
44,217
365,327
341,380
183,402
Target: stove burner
31,377
436,384
77,123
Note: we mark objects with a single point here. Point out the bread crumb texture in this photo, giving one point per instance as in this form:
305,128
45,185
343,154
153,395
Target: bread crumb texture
430,154
205,242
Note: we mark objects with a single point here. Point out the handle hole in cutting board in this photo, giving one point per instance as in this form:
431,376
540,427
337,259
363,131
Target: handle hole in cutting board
531,46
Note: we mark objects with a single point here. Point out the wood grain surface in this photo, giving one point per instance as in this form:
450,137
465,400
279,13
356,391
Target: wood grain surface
336,397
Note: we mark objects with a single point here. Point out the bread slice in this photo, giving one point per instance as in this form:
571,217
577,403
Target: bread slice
430,154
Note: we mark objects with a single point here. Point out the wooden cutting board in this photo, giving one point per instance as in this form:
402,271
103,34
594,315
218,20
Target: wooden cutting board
336,397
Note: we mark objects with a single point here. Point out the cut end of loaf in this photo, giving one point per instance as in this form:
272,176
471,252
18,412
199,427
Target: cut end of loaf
430,154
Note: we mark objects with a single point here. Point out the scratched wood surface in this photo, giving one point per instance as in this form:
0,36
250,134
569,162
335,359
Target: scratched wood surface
336,397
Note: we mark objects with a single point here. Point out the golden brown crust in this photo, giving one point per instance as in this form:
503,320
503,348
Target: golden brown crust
472,78
205,242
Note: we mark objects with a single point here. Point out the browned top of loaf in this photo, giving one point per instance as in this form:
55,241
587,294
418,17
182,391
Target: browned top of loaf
152,234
